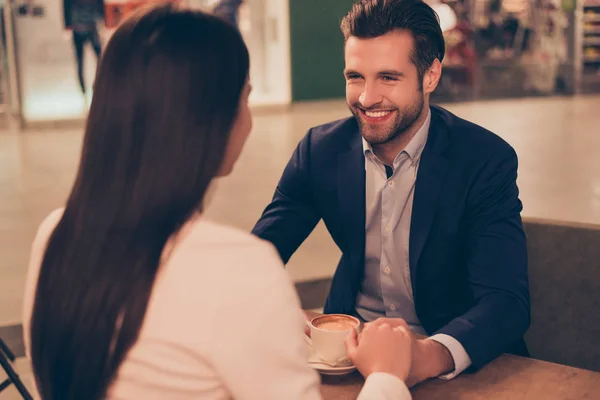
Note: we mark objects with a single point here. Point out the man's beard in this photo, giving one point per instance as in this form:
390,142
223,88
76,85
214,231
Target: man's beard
378,135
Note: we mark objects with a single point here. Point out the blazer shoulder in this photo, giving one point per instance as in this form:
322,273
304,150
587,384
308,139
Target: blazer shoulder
339,131
471,137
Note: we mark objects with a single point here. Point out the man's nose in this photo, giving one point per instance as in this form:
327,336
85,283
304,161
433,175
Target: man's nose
369,97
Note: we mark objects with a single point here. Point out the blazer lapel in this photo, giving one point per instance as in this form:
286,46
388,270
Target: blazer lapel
351,200
430,178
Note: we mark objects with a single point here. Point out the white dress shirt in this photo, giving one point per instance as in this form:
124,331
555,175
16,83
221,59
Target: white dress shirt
386,290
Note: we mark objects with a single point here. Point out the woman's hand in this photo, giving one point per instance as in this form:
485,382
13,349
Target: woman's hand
381,348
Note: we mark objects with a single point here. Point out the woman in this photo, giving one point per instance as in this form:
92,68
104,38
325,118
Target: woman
131,294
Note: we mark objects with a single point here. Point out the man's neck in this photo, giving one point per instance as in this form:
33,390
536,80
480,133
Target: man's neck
388,152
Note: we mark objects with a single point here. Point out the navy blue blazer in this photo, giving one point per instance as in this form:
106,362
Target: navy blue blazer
468,254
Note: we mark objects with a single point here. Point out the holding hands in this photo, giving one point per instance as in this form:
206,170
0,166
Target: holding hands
388,345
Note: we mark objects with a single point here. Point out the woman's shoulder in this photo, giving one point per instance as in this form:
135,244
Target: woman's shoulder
49,222
221,271
210,237
223,255
44,231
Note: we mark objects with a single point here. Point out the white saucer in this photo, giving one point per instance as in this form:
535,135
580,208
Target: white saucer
324,368
334,371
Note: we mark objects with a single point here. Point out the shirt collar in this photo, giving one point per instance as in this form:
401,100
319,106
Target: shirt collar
414,148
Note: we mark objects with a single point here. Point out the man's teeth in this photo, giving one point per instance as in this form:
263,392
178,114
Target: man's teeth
377,114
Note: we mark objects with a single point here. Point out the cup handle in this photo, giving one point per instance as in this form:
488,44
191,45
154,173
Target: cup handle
307,338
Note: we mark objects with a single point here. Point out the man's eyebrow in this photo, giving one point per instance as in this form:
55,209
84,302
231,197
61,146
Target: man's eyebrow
391,72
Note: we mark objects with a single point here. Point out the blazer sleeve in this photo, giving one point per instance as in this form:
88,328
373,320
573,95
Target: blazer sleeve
496,264
292,214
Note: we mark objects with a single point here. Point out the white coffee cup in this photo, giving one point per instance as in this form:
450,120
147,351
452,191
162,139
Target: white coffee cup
328,334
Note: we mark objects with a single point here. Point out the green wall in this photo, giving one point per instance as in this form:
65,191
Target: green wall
317,48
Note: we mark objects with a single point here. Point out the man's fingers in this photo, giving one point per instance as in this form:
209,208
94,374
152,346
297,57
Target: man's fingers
401,329
393,322
351,344
351,339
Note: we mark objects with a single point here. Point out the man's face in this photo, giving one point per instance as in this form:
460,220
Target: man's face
383,89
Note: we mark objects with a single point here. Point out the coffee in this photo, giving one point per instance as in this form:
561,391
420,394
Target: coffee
328,334
335,323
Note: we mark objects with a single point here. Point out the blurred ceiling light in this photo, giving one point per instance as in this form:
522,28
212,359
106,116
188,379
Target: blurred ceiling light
447,15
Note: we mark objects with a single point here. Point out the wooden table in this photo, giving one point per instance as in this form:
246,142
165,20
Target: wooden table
506,378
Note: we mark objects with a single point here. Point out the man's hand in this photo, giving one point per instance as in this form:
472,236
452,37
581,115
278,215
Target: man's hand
429,358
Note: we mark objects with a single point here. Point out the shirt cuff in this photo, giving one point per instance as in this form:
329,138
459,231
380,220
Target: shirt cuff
460,356
384,386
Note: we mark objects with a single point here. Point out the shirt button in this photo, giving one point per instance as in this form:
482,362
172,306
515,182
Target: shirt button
391,183
386,269
388,228
392,307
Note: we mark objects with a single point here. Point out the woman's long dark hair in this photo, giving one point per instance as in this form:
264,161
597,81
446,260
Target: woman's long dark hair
166,96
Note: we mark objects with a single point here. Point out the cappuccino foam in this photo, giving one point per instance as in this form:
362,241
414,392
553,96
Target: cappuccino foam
335,323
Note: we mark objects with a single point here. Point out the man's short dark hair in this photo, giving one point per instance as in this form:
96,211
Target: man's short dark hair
373,18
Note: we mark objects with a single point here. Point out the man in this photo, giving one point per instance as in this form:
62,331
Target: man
81,17
423,205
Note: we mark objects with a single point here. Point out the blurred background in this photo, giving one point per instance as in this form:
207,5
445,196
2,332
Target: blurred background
495,49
